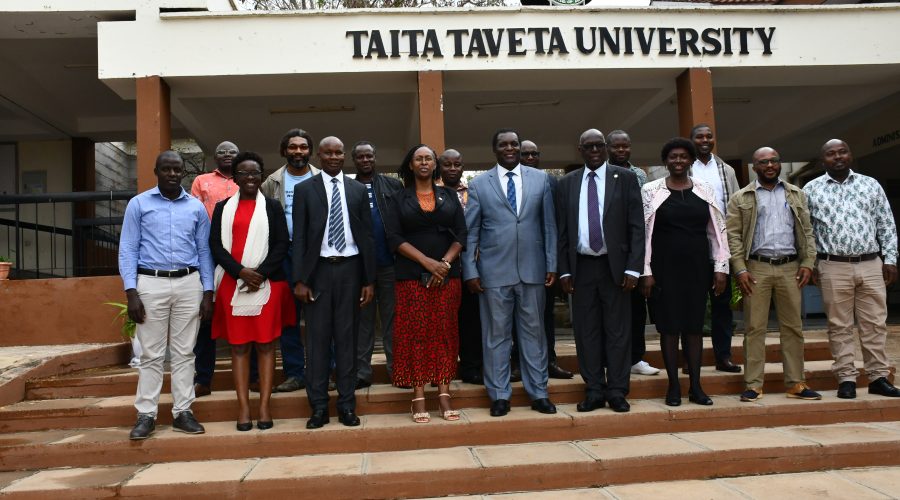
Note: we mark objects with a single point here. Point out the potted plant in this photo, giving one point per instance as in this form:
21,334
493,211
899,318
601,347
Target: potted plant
5,266
128,329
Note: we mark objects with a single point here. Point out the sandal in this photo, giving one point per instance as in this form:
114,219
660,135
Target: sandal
451,415
419,418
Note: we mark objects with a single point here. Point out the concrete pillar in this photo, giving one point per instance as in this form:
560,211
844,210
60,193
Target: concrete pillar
431,109
154,127
695,100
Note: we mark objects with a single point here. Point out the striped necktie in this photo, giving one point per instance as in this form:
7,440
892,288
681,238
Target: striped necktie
336,220
511,192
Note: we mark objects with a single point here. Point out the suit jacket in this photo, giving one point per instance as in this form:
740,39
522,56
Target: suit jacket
431,233
623,221
741,225
271,267
512,248
310,217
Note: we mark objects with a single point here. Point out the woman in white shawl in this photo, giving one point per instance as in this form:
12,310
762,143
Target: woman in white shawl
249,240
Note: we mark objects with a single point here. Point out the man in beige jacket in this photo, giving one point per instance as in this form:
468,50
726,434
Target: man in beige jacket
772,252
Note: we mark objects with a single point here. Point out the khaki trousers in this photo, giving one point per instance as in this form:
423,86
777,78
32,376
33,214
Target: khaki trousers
781,282
173,317
855,290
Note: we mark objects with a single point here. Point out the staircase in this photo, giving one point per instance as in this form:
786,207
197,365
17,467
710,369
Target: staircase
69,439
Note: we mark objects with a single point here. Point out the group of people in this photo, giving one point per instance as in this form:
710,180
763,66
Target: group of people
463,275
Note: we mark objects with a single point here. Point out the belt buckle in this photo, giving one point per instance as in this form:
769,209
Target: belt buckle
334,259
782,260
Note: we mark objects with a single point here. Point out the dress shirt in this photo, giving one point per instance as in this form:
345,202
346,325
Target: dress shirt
351,249
584,233
165,235
852,218
517,181
709,173
774,233
212,188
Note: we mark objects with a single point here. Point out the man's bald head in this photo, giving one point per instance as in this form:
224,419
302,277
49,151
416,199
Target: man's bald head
451,167
837,159
331,155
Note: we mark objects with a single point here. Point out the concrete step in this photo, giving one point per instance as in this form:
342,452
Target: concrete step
857,483
397,432
461,470
120,381
378,399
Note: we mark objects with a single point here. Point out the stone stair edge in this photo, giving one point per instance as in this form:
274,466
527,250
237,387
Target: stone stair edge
497,468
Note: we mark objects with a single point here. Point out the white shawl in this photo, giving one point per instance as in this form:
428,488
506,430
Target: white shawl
244,303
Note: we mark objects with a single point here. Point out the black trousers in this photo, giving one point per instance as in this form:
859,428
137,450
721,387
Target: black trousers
638,324
470,350
333,318
601,317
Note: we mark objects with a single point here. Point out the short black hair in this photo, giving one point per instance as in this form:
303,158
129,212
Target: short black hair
361,143
294,132
248,155
618,132
678,143
167,154
406,173
502,131
698,127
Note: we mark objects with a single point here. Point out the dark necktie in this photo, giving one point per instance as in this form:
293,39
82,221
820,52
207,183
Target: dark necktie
511,192
336,220
595,227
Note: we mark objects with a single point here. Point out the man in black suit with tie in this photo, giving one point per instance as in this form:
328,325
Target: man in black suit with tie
601,254
334,276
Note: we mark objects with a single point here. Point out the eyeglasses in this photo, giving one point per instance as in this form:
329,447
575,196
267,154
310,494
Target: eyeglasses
255,173
531,154
589,147
768,161
223,152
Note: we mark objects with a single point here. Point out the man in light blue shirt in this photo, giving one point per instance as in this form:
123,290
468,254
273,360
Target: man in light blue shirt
164,243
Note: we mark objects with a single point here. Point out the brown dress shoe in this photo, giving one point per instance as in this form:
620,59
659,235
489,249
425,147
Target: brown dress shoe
725,365
201,390
555,371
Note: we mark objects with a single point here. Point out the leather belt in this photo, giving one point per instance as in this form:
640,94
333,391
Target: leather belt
178,273
846,258
337,259
586,256
775,261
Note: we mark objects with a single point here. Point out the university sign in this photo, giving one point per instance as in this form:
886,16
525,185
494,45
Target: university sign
553,41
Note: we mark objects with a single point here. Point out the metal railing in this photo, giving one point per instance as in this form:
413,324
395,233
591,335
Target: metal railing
58,235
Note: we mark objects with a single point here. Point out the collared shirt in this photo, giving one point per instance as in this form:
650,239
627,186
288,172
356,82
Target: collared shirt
462,192
852,218
584,233
709,173
639,172
774,232
212,188
517,182
164,235
351,249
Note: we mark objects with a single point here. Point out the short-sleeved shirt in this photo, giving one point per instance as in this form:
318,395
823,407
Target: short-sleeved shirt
290,182
212,188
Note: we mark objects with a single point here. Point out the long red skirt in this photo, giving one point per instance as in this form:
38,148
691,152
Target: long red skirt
426,333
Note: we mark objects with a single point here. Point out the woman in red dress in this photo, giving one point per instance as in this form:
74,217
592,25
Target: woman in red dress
249,240
426,228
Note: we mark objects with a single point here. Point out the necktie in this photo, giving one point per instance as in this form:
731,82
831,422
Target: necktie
595,227
336,220
511,192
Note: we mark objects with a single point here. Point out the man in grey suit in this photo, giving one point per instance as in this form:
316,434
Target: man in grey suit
601,254
512,231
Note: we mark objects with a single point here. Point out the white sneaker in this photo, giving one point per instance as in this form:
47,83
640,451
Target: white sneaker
644,368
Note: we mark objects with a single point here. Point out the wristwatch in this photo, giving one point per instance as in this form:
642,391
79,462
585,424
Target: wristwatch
446,263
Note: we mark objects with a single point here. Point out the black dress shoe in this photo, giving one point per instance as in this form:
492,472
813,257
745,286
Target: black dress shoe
143,428
244,426
476,379
515,375
543,406
318,419
673,396
499,408
201,390
700,398
186,423
725,365
348,418
847,390
590,404
619,405
265,424
362,384
555,371
883,388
